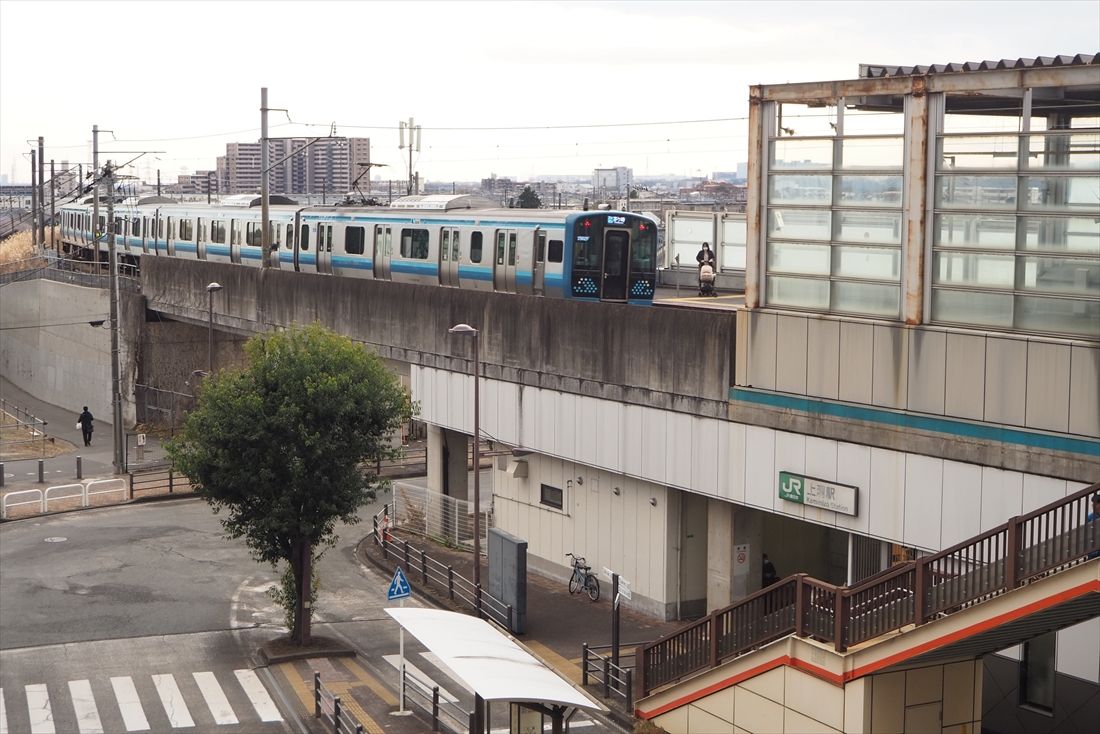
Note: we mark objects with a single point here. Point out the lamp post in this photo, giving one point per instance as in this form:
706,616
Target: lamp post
211,289
467,329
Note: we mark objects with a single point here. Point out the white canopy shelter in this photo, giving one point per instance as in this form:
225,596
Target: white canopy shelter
489,662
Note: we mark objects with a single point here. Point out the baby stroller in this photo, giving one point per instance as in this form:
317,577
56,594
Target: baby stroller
706,281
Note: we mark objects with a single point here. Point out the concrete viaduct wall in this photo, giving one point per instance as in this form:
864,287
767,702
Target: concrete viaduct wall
675,359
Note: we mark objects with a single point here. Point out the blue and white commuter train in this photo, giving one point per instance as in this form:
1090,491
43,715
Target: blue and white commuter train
432,240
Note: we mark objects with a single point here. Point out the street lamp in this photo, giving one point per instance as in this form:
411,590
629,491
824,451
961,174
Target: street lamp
467,329
210,291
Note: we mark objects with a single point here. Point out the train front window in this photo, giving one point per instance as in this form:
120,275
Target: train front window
643,249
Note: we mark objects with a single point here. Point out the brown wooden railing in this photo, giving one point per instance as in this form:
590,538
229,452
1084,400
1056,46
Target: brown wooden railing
1025,548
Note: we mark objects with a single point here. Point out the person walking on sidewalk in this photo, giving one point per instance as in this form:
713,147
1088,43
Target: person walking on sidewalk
85,422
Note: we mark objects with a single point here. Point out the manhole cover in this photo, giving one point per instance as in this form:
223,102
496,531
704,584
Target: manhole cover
55,539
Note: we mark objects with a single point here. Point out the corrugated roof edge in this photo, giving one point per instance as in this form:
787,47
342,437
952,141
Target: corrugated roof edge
872,71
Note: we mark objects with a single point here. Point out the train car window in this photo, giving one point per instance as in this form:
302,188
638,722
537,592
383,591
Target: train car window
444,244
102,224
305,237
171,228
289,236
454,246
202,229
135,227
540,250
501,239
217,232
643,249
354,240
511,248
186,229
556,249
120,226
586,257
277,236
475,247
160,229
414,243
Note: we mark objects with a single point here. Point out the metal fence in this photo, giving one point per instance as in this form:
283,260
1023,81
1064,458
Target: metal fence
328,707
613,680
19,428
444,519
444,712
161,408
62,497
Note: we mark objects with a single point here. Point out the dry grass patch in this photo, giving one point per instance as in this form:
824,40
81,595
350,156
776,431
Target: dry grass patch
19,253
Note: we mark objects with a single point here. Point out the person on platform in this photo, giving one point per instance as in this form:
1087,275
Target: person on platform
1094,519
769,576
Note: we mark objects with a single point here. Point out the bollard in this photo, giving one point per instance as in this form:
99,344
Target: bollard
1,474
41,471
79,468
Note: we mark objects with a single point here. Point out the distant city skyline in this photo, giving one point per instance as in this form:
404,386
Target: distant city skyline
529,90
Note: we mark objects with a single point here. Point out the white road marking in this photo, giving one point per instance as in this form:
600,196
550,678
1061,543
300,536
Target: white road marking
258,695
3,715
129,705
172,699
87,715
215,698
419,678
38,706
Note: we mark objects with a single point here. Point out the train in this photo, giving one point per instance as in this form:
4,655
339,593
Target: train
440,240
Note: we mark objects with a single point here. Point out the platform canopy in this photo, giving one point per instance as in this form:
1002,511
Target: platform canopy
489,662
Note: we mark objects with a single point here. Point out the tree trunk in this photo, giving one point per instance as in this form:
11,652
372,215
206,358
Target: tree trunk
301,555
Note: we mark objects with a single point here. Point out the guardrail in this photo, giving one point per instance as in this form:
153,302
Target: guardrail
328,707
83,493
157,481
1024,548
445,715
615,680
432,572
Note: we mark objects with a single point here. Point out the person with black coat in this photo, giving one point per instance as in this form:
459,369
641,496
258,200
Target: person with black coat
85,422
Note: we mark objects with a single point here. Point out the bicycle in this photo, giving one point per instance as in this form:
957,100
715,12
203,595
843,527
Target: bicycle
583,579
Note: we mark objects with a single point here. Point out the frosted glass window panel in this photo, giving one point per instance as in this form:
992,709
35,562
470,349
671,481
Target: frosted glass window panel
871,153
1062,193
873,122
1068,316
959,119
880,228
1070,275
799,224
788,153
803,120
784,257
976,192
975,269
869,190
873,263
1078,122
734,234
970,307
988,151
1065,151
687,252
1064,234
867,298
798,292
732,256
795,189
976,230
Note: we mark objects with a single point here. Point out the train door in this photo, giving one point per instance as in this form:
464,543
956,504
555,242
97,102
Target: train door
170,239
324,248
616,258
294,242
538,274
383,249
504,261
200,238
448,256
235,241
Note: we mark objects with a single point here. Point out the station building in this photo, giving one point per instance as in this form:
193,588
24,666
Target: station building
917,361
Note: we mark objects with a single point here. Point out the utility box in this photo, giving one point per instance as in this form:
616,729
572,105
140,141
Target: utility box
508,577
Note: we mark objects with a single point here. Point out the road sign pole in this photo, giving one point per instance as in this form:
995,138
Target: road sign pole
400,589
401,704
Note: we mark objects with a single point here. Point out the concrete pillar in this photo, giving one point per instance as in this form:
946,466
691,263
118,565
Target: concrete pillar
435,459
457,469
719,554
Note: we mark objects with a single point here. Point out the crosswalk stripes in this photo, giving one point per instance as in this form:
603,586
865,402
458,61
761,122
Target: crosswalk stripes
127,711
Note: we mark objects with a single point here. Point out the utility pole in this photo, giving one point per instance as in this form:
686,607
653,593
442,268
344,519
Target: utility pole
116,393
414,140
34,200
265,196
53,206
158,182
95,193
41,192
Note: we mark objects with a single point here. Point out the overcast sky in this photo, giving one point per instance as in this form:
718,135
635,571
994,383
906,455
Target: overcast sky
518,89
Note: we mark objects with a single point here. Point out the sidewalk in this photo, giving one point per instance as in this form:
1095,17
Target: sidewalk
21,474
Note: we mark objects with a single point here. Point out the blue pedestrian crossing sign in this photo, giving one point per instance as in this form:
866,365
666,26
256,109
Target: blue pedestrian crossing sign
399,587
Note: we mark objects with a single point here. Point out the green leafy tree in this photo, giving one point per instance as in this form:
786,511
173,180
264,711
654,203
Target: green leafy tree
284,445
528,199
